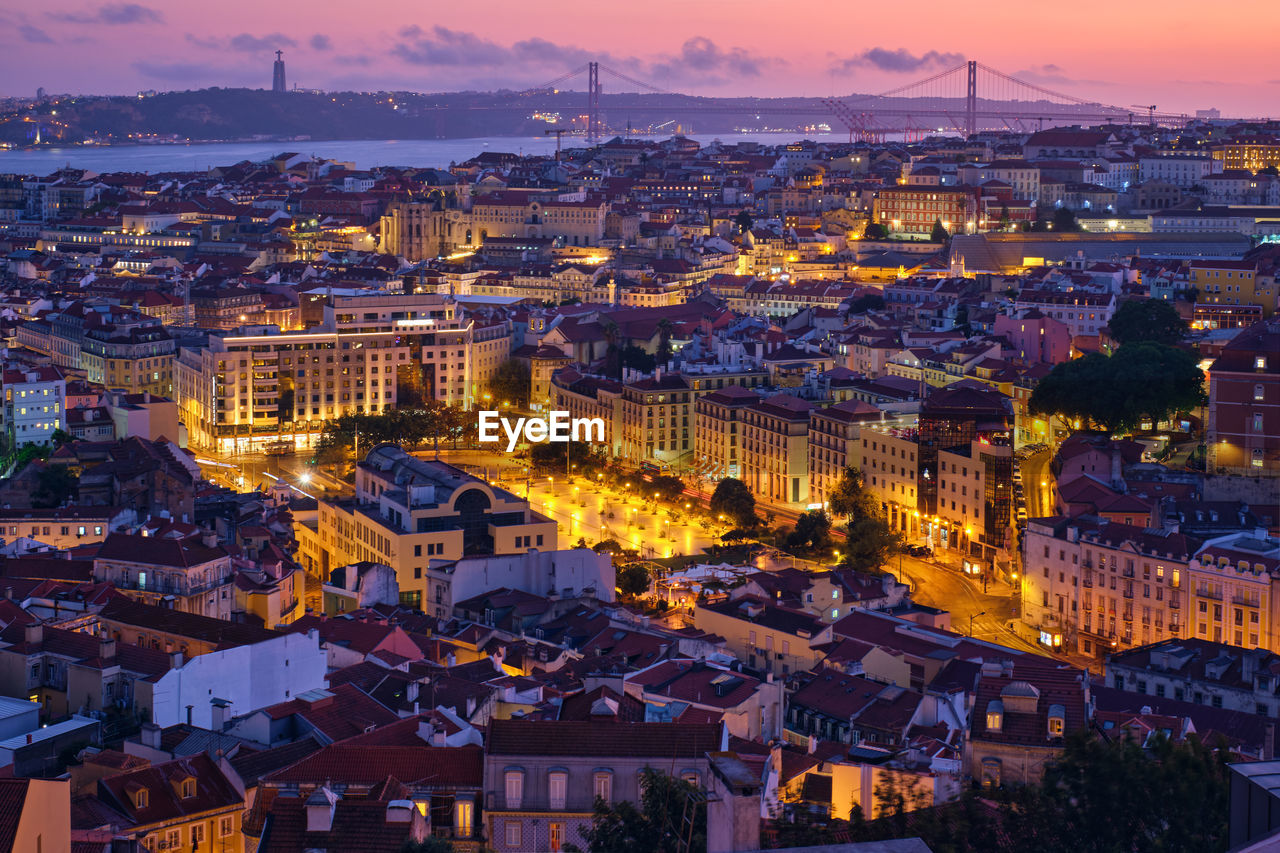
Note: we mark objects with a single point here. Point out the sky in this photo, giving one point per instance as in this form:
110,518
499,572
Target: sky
1176,54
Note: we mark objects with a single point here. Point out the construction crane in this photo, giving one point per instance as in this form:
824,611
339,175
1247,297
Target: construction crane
559,132
1151,112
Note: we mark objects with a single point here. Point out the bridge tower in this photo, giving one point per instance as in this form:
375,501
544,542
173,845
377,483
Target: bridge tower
593,102
971,100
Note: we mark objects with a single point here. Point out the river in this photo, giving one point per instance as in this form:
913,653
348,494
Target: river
365,153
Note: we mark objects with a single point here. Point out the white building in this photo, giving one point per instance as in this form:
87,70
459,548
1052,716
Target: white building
1183,171
34,405
234,681
568,574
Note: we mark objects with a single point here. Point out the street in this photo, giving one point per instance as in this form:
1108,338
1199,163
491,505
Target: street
1037,484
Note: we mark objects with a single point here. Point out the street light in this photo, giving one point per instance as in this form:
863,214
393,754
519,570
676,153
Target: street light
971,615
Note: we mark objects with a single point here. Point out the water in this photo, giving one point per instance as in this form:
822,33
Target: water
365,153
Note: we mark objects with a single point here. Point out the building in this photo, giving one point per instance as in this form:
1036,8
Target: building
407,512
718,431
1233,588
750,707
656,419
1022,712
1243,430
766,637
1092,586
975,511
192,575
1223,282
187,804
775,449
1252,154
957,416
1202,672
835,443
34,405
575,573
889,461
543,777
35,814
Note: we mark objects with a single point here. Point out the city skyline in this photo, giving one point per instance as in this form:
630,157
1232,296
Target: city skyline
713,49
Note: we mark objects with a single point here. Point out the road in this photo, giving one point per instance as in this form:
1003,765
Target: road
1037,484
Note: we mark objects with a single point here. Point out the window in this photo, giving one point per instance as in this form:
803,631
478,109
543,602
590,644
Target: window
1057,720
225,827
602,785
557,783
514,788
188,788
995,716
463,815
512,833
197,834
173,839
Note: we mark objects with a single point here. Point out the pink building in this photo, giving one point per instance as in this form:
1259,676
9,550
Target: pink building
1037,339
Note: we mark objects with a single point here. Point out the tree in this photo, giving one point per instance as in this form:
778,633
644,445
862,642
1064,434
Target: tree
732,498
55,485
1117,392
876,231
510,382
1065,220
607,546
668,487
429,844
612,353
813,531
654,827
743,220
664,341
633,579
939,234
1147,321
870,539
866,302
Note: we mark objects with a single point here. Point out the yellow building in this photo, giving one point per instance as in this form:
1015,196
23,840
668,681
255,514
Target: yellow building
775,449
1233,283
1245,154
35,815
188,804
407,512
771,639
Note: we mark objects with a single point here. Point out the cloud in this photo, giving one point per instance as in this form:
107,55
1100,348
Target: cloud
352,59
244,42
34,35
900,61
185,71
1046,75
320,41
114,14
704,55
699,57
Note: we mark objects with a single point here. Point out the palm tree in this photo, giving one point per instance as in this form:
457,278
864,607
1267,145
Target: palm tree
612,356
664,341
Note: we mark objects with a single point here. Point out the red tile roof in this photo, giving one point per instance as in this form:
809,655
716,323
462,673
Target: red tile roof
573,737
362,764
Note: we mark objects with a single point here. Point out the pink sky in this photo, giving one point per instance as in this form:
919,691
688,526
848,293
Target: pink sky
1176,54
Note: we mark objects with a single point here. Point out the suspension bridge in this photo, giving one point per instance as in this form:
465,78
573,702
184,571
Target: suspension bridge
966,99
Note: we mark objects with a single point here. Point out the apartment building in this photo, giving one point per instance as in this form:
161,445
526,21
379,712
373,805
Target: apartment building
656,419
1200,671
775,452
137,359
407,512
543,777
914,210
890,464
1224,282
1092,586
768,638
1233,588
835,443
956,416
34,405
586,396
1243,430
1084,313
718,431
975,498
192,575
1252,154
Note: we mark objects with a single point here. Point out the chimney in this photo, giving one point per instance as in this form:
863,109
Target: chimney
107,648
1269,742
399,811
150,735
34,634
210,539
1116,475
319,808
411,692
218,713
175,660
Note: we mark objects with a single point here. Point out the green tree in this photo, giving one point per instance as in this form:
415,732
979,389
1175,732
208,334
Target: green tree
609,546
875,231
734,500
939,234
1147,321
55,485
866,302
654,827
664,341
510,382
1065,220
612,349
813,531
743,220
633,579
668,487
1117,392
870,540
